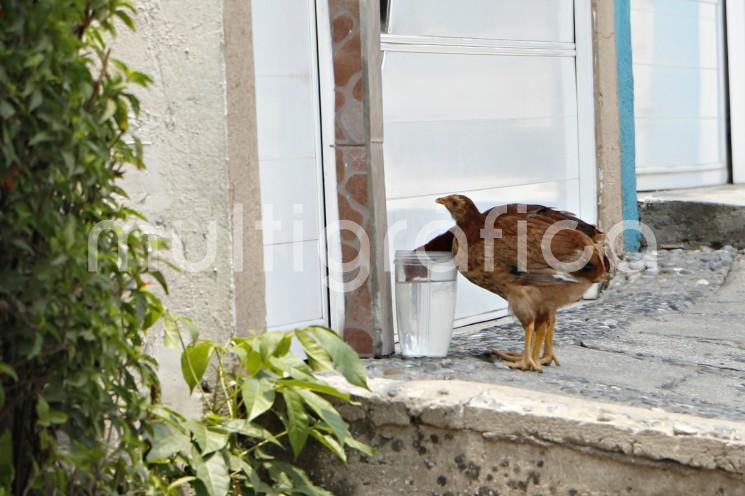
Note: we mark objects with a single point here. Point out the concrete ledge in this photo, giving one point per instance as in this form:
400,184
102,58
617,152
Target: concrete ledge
457,437
693,217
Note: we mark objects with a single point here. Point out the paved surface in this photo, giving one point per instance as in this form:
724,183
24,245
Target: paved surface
670,336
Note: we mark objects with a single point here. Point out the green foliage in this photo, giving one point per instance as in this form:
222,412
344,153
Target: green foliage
74,379
265,405
78,394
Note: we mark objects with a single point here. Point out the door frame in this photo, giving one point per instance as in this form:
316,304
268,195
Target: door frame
333,277
734,25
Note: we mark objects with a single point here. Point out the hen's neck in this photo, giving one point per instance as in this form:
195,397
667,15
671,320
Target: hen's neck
466,215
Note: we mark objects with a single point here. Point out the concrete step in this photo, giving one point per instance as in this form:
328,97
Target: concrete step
457,438
649,399
688,218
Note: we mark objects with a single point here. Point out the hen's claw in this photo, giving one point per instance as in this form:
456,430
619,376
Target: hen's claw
547,359
518,360
507,356
527,365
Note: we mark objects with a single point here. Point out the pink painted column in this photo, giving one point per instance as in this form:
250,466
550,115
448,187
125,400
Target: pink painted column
355,31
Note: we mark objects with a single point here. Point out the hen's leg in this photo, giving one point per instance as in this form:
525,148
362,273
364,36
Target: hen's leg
540,338
548,350
535,346
526,361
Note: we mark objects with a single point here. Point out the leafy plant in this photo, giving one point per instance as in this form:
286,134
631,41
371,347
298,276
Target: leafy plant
74,380
266,404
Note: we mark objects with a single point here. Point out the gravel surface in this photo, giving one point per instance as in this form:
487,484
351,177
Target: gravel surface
670,334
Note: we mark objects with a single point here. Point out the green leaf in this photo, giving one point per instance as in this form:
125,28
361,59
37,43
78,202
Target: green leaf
250,357
36,100
167,441
179,482
295,479
212,472
209,440
171,333
158,275
345,359
269,342
360,446
318,357
109,111
126,19
297,422
258,396
6,109
46,416
314,386
246,428
194,361
40,137
327,413
189,327
6,369
331,443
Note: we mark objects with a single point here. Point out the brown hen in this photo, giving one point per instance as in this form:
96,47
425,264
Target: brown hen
506,250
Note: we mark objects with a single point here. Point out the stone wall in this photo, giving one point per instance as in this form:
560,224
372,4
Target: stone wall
454,437
194,174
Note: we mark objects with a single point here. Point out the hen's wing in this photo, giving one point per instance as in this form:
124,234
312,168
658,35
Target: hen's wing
567,246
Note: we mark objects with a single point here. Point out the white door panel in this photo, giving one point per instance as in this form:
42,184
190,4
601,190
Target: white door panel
681,143
680,38
281,35
464,85
294,292
464,155
290,199
676,92
481,97
536,20
290,159
285,110
678,57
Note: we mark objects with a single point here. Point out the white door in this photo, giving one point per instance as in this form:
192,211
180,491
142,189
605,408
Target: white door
490,98
679,92
290,159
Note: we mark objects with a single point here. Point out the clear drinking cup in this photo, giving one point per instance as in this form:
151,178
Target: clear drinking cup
425,302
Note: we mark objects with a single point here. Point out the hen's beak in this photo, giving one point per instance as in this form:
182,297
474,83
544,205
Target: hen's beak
442,200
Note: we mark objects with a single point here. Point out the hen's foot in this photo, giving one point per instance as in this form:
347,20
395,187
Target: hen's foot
547,359
507,356
518,360
526,364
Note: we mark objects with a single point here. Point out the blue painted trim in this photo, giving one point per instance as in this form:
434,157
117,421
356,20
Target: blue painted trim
626,118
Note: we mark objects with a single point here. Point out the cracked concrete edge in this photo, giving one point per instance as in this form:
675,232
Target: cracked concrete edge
519,415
